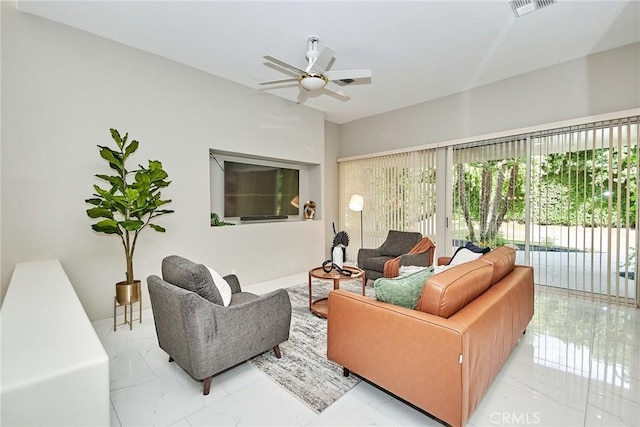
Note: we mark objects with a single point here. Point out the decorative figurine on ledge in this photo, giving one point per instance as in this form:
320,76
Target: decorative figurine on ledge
309,209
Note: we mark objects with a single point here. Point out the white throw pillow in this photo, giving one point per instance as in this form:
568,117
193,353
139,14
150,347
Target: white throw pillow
463,255
222,285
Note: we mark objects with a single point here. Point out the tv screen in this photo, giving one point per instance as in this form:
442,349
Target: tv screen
257,190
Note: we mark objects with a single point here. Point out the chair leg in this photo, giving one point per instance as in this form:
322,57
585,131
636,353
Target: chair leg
345,372
206,385
276,350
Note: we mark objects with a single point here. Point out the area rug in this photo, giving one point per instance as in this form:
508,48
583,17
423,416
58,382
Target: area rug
304,369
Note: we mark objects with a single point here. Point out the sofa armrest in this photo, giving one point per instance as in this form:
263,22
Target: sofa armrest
236,333
234,283
412,354
444,260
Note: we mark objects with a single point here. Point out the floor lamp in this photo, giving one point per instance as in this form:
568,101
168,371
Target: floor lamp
356,204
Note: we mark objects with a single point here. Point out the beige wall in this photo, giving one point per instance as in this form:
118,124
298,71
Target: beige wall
62,89
331,152
597,84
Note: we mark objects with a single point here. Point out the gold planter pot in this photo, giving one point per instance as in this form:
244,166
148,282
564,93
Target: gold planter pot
127,294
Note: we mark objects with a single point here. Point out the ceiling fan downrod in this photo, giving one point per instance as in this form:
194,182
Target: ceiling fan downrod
312,53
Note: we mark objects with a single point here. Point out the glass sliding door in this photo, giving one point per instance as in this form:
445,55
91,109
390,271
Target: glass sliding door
489,201
584,212
567,198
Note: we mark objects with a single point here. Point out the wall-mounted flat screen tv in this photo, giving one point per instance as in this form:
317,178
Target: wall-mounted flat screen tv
258,190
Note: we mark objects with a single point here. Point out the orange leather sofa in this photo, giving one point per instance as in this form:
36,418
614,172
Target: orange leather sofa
443,356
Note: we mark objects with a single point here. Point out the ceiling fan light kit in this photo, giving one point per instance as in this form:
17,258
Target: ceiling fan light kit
315,76
313,81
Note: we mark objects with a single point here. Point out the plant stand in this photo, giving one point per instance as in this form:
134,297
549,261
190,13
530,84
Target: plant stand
128,313
126,296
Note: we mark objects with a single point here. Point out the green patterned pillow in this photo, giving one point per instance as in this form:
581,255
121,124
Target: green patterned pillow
404,290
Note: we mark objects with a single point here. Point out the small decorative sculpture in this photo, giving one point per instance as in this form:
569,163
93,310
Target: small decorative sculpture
309,209
340,243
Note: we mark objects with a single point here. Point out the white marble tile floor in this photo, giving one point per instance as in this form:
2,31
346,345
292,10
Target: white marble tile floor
577,365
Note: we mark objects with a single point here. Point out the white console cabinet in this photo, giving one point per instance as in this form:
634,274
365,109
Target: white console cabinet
55,370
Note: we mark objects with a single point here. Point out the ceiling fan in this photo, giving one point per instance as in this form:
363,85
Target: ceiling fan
316,76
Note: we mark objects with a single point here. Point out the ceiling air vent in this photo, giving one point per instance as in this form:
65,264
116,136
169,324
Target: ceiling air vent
522,7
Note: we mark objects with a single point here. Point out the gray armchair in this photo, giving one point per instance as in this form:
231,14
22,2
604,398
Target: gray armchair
203,336
397,244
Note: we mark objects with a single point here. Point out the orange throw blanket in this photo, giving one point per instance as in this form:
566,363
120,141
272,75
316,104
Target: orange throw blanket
392,267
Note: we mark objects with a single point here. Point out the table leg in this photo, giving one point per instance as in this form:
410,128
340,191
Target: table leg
364,284
310,296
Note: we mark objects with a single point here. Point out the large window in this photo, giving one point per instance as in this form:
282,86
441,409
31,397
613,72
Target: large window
566,197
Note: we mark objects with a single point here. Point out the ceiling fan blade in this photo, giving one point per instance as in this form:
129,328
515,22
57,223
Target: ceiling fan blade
303,95
279,81
283,64
332,87
323,60
347,74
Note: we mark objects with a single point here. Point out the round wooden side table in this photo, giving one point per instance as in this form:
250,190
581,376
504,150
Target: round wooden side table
320,307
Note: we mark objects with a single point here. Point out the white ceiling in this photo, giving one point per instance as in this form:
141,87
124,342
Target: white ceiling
417,51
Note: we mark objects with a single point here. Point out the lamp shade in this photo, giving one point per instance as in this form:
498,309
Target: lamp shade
356,203
313,82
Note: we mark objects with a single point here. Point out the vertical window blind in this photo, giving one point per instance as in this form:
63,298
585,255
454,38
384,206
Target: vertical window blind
585,191
399,194
566,197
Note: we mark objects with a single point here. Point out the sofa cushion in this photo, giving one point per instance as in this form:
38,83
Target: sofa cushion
375,263
399,243
446,293
503,260
193,277
403,290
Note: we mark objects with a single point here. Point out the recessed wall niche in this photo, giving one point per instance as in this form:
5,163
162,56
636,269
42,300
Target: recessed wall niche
261,189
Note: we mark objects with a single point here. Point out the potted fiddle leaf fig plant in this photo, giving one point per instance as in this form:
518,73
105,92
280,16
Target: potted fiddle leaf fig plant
127,205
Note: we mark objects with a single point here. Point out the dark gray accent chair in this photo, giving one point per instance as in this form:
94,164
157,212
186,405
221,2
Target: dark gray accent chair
202,335
397,244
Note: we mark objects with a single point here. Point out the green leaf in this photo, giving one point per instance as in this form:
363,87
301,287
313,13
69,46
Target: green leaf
131,148
157,228
100,213
163,212
116,181
107,226
131,194
94,201
157,175
113,157
131,225
104,193
155,164
116,137
142,179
